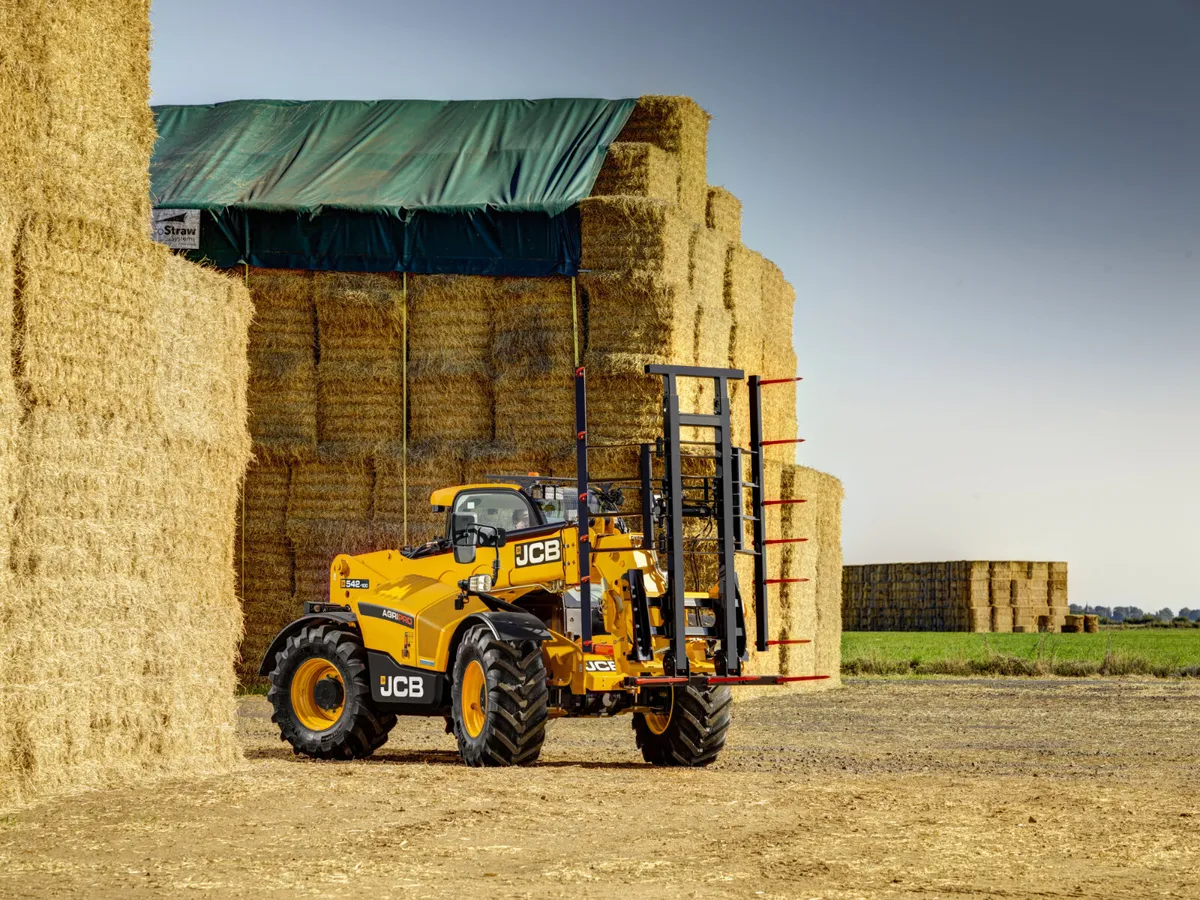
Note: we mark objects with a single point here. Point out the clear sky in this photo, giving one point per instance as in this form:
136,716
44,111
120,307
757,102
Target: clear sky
990,212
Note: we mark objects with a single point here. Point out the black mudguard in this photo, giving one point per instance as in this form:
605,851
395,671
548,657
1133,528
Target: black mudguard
344,617
510,626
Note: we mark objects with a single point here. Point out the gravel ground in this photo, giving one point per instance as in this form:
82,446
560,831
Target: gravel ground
913,789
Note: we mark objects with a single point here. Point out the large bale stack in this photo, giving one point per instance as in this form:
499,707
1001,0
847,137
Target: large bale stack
955,596
122,428
489,378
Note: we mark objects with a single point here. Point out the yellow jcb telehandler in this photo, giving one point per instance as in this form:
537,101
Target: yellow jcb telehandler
542,601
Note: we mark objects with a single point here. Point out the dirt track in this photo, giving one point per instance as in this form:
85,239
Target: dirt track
901,789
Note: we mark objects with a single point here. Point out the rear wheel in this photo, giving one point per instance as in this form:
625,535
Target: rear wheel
321,695
498,700
691,732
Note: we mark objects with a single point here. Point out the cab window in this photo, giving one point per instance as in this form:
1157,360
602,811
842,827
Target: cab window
509,510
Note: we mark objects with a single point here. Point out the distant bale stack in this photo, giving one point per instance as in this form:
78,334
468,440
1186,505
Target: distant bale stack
954,596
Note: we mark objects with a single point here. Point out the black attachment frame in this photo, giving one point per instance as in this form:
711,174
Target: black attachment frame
643,634
727,660
756,502
646,473
585,516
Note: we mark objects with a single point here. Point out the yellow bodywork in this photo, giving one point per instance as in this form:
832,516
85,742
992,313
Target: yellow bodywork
423,592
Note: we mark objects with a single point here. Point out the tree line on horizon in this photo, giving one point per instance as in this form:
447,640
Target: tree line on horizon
1133,615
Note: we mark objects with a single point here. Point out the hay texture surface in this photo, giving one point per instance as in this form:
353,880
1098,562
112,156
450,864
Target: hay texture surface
723,214
638,170
680,127
122,428
126,488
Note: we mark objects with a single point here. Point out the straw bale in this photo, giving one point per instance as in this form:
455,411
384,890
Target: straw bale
122,429
360,344
126,539
450,324
638,170
640,316
637,237
200,396
426,468
679,126
538,411
263,562
450,408
779,361
283,375
89,303
359,322
624,403
824,493
282,400
744,297
363,410
534,356
332,486
285,316
534,326
707,252
723,213
82,70
267,612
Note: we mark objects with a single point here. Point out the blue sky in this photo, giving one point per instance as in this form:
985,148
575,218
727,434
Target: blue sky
990,212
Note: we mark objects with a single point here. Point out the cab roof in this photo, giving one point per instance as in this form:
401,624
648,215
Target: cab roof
445,496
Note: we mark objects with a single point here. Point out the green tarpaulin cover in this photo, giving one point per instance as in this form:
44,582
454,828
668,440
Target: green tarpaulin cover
468,187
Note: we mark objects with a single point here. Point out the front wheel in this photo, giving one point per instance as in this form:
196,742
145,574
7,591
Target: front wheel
499,700
690,732
321,695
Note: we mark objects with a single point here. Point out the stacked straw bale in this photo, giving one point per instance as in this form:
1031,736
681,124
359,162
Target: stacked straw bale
665,279
956,596
724,214
122,428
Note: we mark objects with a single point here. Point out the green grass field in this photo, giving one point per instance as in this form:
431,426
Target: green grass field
1165,652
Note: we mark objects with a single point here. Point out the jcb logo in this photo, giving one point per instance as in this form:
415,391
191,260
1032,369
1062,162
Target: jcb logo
600,665
401,687
537,552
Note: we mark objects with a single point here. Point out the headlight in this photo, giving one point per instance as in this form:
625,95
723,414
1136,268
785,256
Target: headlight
481,583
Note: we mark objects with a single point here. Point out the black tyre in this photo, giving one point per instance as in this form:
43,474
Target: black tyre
691,733
321,694
498,700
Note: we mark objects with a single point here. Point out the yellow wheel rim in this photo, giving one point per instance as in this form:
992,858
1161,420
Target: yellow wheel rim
474,698
304,700
658,722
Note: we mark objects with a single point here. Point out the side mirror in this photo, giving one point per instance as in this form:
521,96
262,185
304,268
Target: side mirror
465,539
501,538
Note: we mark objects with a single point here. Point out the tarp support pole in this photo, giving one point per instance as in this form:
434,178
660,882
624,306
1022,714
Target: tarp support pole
404,400
574,321
242,567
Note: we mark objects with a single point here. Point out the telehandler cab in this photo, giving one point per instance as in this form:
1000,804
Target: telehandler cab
540,602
